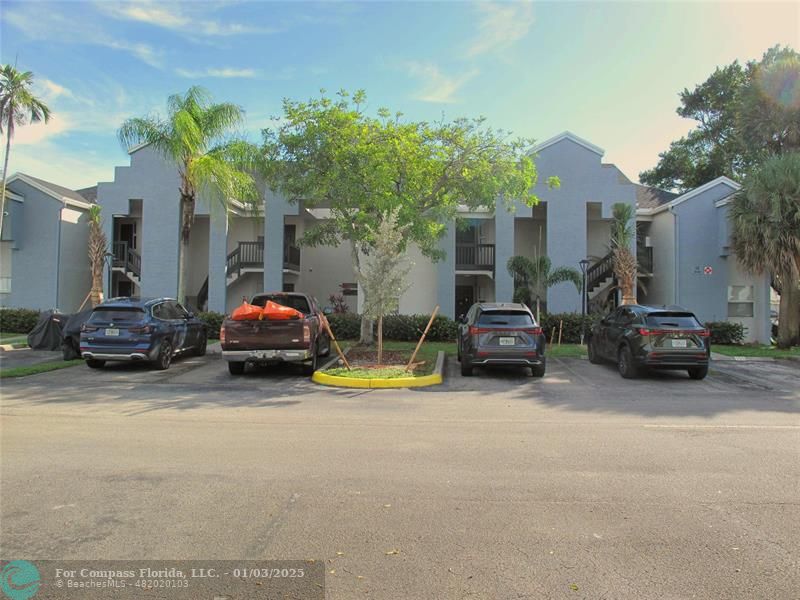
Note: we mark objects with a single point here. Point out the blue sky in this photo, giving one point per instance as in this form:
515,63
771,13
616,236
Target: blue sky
608,71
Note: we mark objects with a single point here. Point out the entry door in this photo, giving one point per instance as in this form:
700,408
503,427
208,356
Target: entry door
127,233
465,297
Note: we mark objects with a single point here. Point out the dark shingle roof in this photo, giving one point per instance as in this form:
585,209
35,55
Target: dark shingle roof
650,197
89,194
58,189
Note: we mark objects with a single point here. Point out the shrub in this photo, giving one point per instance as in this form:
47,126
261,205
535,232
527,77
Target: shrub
18,320
725,332
401,328
570,328
213,321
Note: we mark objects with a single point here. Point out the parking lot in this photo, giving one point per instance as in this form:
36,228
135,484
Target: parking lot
580,484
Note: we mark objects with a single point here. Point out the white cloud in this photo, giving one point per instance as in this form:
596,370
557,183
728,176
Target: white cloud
70,169
501,25
437,86
36,133
223,73
52,90
189,18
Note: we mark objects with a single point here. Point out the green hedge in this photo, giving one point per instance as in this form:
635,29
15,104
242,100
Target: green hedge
571,325
18,320
725,332
401,328
213,321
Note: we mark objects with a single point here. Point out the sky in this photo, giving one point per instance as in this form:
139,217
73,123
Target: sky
609,72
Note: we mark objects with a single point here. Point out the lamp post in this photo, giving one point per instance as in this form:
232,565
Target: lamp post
109,262
584,264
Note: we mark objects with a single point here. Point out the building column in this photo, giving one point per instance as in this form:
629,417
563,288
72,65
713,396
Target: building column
160,244
503,250
566,247
275,209
217,262
107,223
446,274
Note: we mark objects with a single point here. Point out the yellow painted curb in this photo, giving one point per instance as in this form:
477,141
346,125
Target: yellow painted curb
399,382
434,378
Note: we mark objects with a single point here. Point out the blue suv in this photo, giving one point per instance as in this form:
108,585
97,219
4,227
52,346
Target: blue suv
134,329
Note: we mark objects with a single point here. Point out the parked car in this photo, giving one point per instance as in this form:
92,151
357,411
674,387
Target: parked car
265,341
134,329
637,337
500,334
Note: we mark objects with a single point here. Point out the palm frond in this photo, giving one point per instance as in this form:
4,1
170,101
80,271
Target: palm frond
565,274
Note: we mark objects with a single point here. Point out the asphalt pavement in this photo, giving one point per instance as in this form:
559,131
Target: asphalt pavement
578,485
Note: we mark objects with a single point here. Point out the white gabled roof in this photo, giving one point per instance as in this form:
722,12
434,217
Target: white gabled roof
722,180
568,135
66,199
133,149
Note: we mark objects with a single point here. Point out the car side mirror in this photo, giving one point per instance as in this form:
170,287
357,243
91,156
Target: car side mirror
328,310
189,315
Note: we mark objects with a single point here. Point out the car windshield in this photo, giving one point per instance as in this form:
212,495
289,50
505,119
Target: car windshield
512,318
295,302
672,319
113,315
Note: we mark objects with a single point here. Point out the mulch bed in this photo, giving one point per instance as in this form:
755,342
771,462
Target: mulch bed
368,358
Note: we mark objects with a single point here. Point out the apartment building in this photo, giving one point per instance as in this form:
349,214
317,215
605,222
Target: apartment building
682,243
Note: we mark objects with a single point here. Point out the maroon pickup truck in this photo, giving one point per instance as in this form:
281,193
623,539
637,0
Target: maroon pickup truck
268,342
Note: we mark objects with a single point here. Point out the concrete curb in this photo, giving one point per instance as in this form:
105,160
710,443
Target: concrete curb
434,378
7,347
715,356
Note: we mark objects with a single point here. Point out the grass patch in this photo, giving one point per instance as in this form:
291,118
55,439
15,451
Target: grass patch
40,368
566,351
13,338
365,373
768,351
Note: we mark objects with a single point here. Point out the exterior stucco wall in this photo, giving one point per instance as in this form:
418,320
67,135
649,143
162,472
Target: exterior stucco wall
661,287
420,297
583,179
74,279
322,271
757,328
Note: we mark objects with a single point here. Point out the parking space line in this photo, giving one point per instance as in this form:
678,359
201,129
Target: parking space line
656,426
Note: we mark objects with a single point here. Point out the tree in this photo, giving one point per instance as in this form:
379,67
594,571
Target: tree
533,277
329,153
765,220
625,266
196,137
383,275
18,106
728,139
98,246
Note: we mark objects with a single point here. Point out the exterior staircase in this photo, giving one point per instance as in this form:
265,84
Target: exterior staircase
127,261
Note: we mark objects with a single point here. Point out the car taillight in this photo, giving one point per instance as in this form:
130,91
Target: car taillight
645,331
143,329
306,333
88,328
533,330
704,333
473,330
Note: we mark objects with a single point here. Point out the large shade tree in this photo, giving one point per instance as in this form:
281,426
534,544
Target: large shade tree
18,106
197,135
765,218
328,153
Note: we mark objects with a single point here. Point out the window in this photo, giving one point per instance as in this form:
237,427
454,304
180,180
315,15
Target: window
113,315
740,301
160,311
740,309
672,319
505,317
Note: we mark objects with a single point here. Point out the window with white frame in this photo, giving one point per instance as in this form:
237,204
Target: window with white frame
740,301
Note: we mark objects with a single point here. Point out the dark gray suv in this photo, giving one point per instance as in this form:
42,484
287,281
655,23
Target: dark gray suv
500,334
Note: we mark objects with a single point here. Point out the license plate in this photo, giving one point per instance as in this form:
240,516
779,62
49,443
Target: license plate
112,332
679,344
508,341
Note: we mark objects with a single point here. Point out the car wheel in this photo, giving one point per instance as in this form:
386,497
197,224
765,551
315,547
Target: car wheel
698,372
309,368
327,352
466,367
93,363
458,351
591,350
200,348
236,368
538,370
625,363
164,358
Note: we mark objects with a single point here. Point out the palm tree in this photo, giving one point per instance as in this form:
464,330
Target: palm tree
625,266
98,245
18,106
534,276
195,136
765,226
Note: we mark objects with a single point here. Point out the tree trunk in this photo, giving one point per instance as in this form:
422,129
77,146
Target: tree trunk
187,218
380,340
9,129
789,318
366,337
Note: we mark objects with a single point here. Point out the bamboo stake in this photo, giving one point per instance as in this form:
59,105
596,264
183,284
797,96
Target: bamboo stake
560,326
422,339
85,300
327,326
553,337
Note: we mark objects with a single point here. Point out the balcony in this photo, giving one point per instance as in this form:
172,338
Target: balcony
127,260
291,257
250,256
474,257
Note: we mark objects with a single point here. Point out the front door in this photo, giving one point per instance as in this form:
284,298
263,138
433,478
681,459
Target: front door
465,297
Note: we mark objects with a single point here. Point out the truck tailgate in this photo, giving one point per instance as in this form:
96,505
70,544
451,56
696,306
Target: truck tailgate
264,335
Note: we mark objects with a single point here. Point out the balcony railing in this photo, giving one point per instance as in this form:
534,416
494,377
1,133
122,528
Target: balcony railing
644,256
250,255
127,258
475,257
